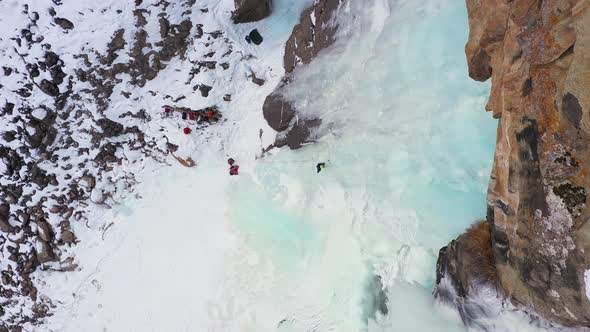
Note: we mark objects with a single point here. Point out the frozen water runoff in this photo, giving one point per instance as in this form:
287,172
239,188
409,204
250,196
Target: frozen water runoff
281,248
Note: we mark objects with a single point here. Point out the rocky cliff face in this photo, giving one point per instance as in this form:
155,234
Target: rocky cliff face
535,53
316,31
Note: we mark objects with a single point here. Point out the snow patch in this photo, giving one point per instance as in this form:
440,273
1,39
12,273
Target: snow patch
39,113
587,283
3,167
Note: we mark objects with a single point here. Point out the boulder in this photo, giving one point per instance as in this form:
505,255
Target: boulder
106,154
39,176
49,88
110,128
258,81
44,231
44,252
4,219
68,237
88,181
278,112
43,136
64,23
205,89
51,59
9,136
251,10
299,134
164,27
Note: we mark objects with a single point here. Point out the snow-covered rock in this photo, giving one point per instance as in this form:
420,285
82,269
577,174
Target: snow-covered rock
83,85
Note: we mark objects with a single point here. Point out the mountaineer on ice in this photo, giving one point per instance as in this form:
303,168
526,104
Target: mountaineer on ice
233,168
320,166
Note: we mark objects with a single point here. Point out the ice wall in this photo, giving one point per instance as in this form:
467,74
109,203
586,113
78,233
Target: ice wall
409,150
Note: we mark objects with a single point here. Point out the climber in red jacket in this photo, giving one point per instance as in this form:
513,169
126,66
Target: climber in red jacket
233,168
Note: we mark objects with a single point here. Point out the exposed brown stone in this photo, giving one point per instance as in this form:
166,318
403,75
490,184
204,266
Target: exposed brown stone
44,253
468,262
68,237
44,231
64,23
534,52
278,111
251,10
308,39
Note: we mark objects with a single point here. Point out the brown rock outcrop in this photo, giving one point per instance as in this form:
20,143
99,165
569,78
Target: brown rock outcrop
469,259
314,32
466,264
251,10
534,52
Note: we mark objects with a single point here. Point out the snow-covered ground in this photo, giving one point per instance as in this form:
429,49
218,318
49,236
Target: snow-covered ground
279,247
95,24
168,249
159,264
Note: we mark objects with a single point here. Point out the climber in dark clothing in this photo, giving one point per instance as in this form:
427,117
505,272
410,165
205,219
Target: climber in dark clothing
320,166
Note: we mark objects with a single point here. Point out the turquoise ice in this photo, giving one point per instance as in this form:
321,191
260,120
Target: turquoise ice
409,151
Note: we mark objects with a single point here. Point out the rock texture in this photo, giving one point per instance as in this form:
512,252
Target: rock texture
468,260
462,267
315,31
251,10
534,51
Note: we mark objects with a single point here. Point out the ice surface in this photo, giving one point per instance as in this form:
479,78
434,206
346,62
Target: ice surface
280,248
409,150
